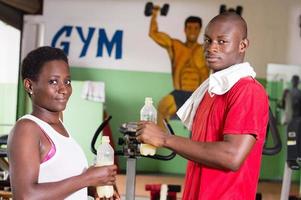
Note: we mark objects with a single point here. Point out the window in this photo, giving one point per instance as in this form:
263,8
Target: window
9,67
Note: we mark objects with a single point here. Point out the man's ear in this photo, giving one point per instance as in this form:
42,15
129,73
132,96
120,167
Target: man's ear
28,85
244,44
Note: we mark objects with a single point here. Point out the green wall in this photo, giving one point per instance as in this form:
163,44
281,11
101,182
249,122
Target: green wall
81,118
8,102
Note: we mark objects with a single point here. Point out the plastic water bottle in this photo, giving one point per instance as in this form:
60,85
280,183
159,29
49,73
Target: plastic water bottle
148,113
105,156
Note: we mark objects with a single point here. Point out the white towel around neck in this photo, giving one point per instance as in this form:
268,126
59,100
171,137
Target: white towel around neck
218,83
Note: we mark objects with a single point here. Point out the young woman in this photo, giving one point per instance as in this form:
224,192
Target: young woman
45,161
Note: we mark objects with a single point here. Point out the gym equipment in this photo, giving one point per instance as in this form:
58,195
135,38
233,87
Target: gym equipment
277,145
293,159
223,8
149,6
272,126
4,166
130,151
155,190
5,192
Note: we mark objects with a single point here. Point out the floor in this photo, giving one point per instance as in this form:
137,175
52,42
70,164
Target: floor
269,190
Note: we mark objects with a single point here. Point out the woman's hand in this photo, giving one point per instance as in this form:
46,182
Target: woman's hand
116,195
99,176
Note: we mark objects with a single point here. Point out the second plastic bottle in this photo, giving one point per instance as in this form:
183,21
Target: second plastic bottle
105,156
148,113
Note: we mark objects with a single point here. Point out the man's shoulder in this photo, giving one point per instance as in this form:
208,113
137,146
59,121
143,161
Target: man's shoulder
249,81
177,42
251,84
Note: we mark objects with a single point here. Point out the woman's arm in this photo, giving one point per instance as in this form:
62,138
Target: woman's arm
24,159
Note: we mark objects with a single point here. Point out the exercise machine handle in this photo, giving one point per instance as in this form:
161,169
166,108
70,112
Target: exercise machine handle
97,132
172,154
272,128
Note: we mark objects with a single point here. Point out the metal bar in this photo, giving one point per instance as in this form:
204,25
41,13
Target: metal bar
130,178
286,182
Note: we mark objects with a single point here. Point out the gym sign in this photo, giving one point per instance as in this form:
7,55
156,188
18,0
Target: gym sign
114,34
111,44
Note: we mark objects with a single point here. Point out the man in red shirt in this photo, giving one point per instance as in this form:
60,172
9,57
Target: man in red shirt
228,116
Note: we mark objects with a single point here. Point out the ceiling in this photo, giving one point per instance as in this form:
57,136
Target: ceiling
12,11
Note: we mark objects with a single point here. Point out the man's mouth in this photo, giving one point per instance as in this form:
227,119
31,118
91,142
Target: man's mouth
212,58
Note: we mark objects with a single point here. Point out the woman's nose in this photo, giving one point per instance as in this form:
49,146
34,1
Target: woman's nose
62,88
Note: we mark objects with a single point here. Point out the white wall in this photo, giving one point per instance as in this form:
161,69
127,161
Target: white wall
294,36
9,53
274,31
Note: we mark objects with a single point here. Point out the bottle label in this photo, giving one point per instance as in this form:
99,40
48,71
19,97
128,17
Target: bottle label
151,118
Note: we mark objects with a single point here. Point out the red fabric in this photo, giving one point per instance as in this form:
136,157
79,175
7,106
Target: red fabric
242,110
155,190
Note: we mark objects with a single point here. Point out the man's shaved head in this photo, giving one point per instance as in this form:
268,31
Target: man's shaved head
235,19
225,41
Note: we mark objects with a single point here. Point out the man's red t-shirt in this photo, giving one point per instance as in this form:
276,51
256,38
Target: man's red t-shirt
242,110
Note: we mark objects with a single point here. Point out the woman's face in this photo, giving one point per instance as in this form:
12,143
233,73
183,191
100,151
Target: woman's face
52,88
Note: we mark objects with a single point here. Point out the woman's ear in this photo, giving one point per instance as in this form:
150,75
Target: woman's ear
28,86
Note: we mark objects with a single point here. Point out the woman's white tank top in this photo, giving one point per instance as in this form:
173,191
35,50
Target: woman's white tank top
69,159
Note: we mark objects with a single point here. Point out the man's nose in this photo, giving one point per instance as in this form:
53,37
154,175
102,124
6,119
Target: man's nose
212,47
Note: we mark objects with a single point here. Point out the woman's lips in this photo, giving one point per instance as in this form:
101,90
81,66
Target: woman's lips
63,100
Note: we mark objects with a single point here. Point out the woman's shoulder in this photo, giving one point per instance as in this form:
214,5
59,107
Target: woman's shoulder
25,128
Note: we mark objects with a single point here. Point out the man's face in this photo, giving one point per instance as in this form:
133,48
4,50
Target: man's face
192,31
224,44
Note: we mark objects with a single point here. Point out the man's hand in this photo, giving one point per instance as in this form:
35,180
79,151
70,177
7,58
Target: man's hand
150,133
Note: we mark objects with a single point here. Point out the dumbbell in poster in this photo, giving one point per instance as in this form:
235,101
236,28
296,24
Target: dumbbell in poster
186,58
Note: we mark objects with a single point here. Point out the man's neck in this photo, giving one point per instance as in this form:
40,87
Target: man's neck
190,44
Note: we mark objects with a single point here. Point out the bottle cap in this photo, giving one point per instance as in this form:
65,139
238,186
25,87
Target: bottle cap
105,139
148,100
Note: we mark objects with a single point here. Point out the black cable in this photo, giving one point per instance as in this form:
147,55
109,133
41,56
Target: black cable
272,126
97,132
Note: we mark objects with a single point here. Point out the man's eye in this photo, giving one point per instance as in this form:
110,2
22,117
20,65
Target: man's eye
207,40
53,82
68,82
221,41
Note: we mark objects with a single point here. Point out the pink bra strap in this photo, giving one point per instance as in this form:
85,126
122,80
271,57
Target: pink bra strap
52,150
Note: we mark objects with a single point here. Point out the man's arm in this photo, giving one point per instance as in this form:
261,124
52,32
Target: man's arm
160,38
228,154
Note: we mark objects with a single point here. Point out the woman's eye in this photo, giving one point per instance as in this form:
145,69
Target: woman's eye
221,41
53,82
